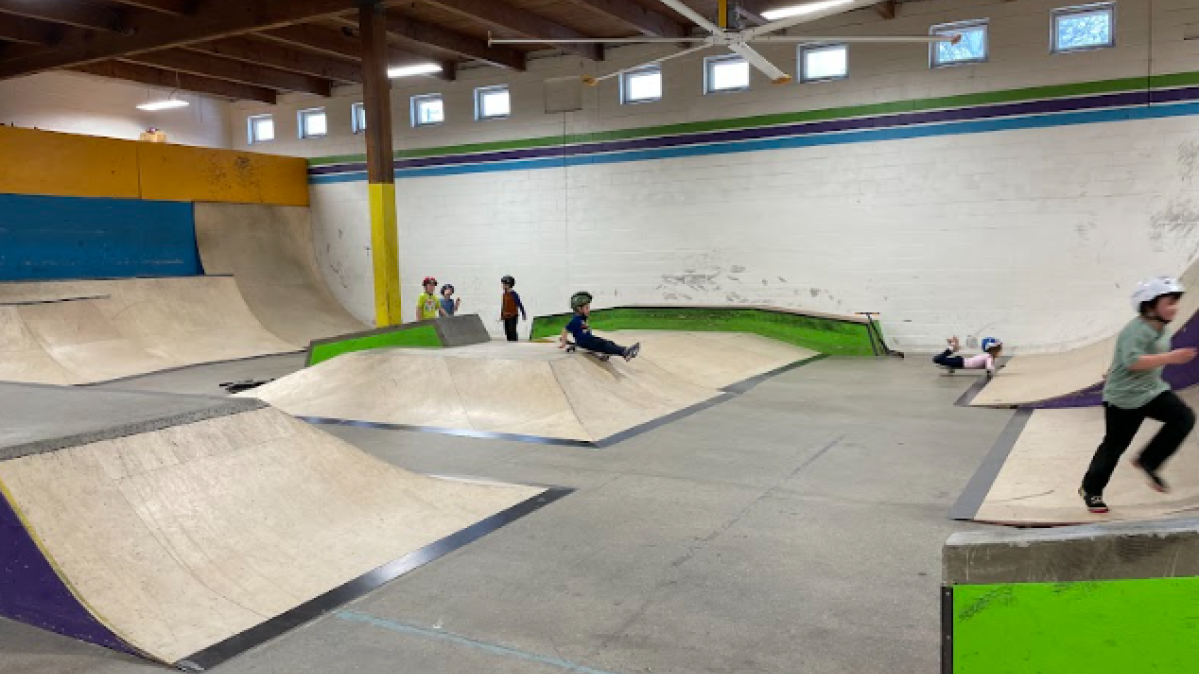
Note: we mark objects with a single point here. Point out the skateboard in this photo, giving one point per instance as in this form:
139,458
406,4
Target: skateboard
571,347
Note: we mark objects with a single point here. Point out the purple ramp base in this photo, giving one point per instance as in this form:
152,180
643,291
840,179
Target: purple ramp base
32,593
1177,376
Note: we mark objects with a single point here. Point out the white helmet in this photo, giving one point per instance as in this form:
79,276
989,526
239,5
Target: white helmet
1151,289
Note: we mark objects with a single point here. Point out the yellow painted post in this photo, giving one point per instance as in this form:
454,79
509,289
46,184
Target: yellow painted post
385,254
723,19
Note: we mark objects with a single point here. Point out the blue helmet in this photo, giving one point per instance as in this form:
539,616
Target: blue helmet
990,343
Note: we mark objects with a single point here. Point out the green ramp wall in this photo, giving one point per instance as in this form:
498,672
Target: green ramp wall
833,335
1100,599
434,334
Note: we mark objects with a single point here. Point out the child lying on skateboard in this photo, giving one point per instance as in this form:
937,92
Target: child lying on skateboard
991,346
577,328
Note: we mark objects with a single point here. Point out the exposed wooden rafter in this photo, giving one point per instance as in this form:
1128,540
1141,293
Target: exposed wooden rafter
423,38
206,65
337,43
175,7
164,78
282,57
637,17
28,31
71,13
888,9
502,16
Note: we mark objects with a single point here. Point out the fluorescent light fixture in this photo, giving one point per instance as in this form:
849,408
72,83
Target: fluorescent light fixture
168,104
408,71
799,10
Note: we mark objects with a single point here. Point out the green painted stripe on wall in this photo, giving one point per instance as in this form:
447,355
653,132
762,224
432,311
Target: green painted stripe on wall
825,114
419,336
1097,627
826,335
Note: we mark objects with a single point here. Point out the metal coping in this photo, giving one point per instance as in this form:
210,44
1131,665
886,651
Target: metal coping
717,307
56,300
726,393
976,490
362,585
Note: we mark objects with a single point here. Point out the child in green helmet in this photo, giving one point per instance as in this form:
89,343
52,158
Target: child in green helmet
578,328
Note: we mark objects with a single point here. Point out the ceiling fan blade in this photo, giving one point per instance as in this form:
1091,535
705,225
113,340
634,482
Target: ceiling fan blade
901,39
587,79
678,6
819,10
597,40
758,61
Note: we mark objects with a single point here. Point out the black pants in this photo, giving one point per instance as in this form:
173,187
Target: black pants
510,328
1122,426
947,359
601,345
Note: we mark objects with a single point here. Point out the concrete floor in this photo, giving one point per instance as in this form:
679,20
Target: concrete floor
797,528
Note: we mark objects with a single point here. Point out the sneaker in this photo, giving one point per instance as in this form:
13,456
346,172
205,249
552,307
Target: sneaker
631,352
1094,502
1155,480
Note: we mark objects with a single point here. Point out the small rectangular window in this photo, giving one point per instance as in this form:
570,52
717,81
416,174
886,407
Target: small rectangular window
1084,27
261,129
972,48
823,62
725,74
493,102
359,123
427,110
642,85
313,123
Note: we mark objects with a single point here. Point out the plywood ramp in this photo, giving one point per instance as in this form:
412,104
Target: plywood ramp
179,538
269,250
1044,377
80,332
1038,483
529,388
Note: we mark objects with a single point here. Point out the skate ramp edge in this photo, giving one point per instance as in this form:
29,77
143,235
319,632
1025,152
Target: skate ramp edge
832,334
1051,600
191,542
446,332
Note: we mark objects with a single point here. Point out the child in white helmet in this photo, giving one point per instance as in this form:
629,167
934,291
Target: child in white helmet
1134,390
991,347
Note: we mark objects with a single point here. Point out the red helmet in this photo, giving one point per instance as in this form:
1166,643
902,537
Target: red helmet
428,280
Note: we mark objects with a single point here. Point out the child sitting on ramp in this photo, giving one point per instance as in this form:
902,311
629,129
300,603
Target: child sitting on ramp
991,346
578,328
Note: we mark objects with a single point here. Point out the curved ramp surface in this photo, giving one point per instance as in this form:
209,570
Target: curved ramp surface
80,332
269,250
168,538
528,389
1038,483
1042,378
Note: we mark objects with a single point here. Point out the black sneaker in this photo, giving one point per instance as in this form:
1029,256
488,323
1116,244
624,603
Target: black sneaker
1094,502
1155,480
631,352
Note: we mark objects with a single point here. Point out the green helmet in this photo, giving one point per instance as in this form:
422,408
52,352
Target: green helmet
579,299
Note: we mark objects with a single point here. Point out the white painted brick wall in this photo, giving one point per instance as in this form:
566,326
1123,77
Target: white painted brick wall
1035,236
96,106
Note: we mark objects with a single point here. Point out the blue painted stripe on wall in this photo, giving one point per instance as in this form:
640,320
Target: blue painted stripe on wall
45,238
872,135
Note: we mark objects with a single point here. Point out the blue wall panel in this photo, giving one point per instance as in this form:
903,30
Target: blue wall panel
45,237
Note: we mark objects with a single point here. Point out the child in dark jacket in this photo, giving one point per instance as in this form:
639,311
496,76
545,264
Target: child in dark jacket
578,328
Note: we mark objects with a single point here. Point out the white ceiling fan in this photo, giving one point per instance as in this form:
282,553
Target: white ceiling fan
739,39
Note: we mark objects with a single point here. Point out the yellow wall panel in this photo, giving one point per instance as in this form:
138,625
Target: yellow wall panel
178,173
60,164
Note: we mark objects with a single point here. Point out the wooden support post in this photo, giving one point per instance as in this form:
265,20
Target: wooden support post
372,25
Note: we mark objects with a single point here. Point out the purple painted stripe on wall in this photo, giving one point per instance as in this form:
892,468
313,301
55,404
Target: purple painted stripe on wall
31,591
833,126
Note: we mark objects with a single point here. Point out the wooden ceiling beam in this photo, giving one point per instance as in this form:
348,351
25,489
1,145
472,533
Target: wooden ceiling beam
169,80
888,9
28,31
69,12
281,57
637,17
423,38
219,68
338,43
152,31
510,19
173,7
